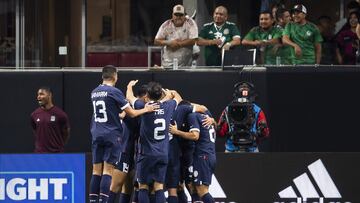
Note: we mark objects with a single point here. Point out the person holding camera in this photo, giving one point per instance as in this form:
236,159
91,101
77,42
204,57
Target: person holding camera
242,121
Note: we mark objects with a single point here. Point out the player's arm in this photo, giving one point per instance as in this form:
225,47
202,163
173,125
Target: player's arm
199,108
192,135
137,112
122,115
176,96
129,91
208,121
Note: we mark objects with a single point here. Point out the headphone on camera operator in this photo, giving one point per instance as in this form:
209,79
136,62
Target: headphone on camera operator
242,116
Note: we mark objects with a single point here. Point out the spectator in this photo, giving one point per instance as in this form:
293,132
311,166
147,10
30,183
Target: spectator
352,6
264,37
217,35
283,17
274,9
348,42
328,46
178,36
304,37
50,124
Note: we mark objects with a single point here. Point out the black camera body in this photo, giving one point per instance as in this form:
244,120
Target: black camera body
241,118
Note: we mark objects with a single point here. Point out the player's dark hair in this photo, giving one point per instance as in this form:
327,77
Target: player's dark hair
184,102
280,13
267,12
108,72
142,91
46,88
154,91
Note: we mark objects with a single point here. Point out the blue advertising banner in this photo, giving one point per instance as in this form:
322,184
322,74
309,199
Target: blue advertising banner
42,178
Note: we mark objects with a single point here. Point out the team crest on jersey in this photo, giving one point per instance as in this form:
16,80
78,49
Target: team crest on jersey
218,35
270,37
226,31
308,33
52,118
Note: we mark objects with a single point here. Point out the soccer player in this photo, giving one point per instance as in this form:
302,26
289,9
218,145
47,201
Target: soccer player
123,172
154,142
173,174
106,130
204,158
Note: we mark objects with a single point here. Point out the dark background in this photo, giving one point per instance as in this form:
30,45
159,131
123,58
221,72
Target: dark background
309,109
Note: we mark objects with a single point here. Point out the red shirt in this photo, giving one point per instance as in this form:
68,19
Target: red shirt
50,127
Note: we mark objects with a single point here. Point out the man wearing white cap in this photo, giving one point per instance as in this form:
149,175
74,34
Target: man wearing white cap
304,37
177,35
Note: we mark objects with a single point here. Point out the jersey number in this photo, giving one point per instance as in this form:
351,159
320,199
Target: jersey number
159,133
100,107
212,134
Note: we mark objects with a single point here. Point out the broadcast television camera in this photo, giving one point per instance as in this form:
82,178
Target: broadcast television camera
241,116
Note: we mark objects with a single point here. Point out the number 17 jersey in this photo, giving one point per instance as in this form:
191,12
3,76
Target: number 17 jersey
154,128
108,102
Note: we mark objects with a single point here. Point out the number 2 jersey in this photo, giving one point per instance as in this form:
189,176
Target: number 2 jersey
108,102
154,128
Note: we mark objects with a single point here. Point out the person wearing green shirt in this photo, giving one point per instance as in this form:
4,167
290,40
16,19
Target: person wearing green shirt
304,37
264,37
283,17
217,35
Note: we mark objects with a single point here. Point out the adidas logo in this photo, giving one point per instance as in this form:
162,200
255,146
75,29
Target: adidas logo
318,189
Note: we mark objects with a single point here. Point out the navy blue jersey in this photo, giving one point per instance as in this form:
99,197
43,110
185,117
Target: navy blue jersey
128,141
108,102
181,113
154,128
206,142
180,116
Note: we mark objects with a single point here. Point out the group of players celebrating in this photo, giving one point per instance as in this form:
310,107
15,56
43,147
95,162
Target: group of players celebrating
152,141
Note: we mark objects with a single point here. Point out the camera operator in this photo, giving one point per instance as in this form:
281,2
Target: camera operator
242,121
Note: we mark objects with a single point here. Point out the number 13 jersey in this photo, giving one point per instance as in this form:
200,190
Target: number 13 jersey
107,102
